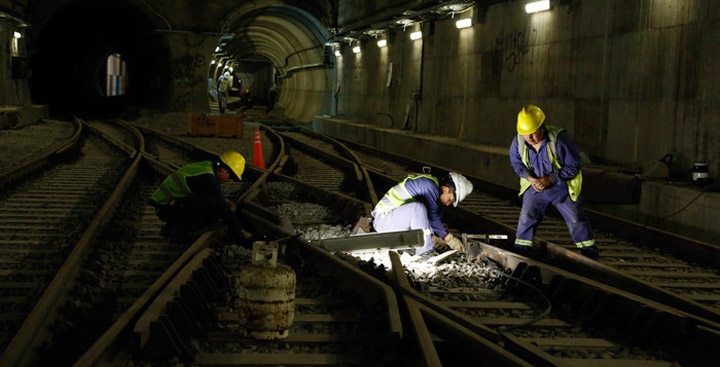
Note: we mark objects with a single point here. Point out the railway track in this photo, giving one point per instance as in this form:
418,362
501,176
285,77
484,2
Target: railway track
478,316
31,141
108,277
42,220
659,270
550,317
343,313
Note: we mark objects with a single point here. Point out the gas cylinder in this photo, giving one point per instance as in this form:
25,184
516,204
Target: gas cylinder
700,173
266,295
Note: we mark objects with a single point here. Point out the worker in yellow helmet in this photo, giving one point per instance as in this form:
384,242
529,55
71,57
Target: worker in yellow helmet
191,199
548,163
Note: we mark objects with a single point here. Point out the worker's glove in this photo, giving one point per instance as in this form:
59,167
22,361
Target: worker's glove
438,242
245,234
454,243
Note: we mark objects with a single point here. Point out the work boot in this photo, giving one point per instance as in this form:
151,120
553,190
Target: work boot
522,250
591,252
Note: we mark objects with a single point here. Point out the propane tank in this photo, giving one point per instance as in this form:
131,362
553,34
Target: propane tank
700,173
266,294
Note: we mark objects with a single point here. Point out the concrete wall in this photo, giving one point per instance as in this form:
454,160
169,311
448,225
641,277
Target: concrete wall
630,80
13,91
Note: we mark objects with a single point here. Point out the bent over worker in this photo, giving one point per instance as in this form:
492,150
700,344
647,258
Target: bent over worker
415,203
191,198
548,163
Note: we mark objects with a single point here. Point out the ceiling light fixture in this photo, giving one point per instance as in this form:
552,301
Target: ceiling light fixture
416,35
537,6
356,49
382,43
463,23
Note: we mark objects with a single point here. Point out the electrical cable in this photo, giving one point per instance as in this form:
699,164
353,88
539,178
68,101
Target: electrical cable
686,205
541,316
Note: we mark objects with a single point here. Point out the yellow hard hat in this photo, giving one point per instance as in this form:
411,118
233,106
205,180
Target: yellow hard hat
530,119
235,161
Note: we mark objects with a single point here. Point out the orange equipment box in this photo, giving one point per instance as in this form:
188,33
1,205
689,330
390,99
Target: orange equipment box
219,125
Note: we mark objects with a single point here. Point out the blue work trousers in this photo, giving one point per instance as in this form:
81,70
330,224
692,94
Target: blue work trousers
407,216
533,210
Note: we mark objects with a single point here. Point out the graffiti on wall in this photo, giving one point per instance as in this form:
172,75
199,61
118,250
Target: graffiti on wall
188,72
512,47
185,69
180,103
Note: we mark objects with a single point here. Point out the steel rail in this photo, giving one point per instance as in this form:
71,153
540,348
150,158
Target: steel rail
563,257
101,349
34,330
640,321
44,160
345,152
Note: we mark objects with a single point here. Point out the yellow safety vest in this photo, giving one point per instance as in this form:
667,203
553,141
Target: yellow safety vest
175,185
398,195
574,184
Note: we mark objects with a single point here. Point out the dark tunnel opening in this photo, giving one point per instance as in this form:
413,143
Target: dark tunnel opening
69,61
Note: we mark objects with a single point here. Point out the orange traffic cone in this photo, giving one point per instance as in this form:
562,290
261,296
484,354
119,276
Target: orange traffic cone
257,151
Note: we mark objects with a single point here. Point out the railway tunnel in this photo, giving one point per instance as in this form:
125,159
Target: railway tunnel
440,82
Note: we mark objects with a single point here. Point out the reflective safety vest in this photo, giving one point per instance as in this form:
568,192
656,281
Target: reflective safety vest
175,185
574,184
398,195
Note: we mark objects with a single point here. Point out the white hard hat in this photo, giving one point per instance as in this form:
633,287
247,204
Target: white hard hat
463,187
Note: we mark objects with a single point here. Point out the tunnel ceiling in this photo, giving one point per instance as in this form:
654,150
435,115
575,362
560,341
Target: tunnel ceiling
276,33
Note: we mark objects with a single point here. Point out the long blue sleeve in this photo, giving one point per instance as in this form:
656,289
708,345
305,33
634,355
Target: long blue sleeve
424,190
516,160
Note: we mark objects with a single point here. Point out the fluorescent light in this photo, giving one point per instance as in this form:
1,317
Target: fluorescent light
382,43
17,34
217,48
463,23
212,62
537,6
337,53
356,49
219,64
416,35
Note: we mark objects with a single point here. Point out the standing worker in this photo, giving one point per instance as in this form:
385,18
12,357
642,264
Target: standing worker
272,97
415,203
191,199
223,86
546,159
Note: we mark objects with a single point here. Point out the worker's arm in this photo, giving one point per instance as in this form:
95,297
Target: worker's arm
521,170
517,163
425,191
568,154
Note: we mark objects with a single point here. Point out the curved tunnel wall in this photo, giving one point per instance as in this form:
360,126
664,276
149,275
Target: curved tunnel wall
280,32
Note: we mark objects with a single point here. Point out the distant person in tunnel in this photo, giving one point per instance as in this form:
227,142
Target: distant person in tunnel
223,87
247,100
191,199
415,203
272,97
548,163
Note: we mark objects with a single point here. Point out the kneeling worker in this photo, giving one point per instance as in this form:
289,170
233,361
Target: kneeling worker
548,164
415,203
191,199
